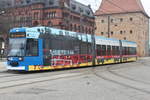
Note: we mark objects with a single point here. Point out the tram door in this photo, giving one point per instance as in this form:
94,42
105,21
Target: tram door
46,53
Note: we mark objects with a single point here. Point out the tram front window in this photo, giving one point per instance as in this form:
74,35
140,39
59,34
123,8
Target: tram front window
16,47
32,47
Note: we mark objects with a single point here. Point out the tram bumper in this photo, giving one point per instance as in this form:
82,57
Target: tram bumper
23,68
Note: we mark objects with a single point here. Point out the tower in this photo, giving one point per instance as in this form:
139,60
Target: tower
125,20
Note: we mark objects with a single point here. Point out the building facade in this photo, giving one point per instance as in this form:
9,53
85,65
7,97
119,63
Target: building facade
63,14
125,20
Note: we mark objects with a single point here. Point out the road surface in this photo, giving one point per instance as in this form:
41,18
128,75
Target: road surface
127,81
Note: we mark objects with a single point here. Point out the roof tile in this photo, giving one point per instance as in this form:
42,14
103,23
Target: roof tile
119,6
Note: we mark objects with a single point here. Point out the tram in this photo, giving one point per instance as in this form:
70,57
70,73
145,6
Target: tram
46,48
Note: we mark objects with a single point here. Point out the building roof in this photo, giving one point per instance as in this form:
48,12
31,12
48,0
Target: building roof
73,6
81,8
119,6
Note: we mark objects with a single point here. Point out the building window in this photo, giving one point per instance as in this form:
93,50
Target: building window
49,23
75,27
73,7
83,29
112,20
22,2
116,25
36,15
86,30
121,19
102,21
51,15
131,31
87,12
80,9
112,32
124,38
79,28
90,31
51,2
131,19
121,32
46,15
71,27
28,1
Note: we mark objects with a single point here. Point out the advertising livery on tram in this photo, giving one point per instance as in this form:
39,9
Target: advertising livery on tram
46,48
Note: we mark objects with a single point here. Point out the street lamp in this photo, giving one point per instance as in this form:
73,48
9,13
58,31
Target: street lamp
2,12
2,48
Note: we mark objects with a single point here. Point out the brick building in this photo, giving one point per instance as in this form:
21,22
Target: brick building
63,14
3,35
124,19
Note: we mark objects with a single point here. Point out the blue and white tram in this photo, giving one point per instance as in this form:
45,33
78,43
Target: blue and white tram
45,48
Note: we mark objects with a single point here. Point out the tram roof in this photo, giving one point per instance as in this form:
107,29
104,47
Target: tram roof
22,29
126,41
104,38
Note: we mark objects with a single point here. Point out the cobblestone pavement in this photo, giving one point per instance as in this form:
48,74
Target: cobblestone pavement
127,81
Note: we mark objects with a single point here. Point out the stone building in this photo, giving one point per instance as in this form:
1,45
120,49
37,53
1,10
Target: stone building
64,14
125,20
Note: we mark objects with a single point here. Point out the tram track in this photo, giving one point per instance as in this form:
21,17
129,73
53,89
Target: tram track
110,69
26,77
37,80
126,77
122,84
119,82
4,74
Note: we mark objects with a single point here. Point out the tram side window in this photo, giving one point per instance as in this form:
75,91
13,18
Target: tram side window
89,48
103,50
108,50
132,51
117,50
32,47
127,51
83,48
113,50
98,50
135,51
123,51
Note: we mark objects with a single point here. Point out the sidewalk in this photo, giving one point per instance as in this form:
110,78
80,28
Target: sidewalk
2,64
3,59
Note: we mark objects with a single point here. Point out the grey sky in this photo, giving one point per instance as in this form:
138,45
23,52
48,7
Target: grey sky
96,3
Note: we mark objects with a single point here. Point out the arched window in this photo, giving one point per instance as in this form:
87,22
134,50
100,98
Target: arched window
75,27
82,29
90,31
71,27
49,23
79,28
86,30
35,23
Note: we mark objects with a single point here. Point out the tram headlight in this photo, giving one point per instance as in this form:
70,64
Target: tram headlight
20,59
9,58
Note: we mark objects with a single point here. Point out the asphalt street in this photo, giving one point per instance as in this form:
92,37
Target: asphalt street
126,81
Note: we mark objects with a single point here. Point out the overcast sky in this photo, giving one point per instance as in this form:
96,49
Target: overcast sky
96,3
